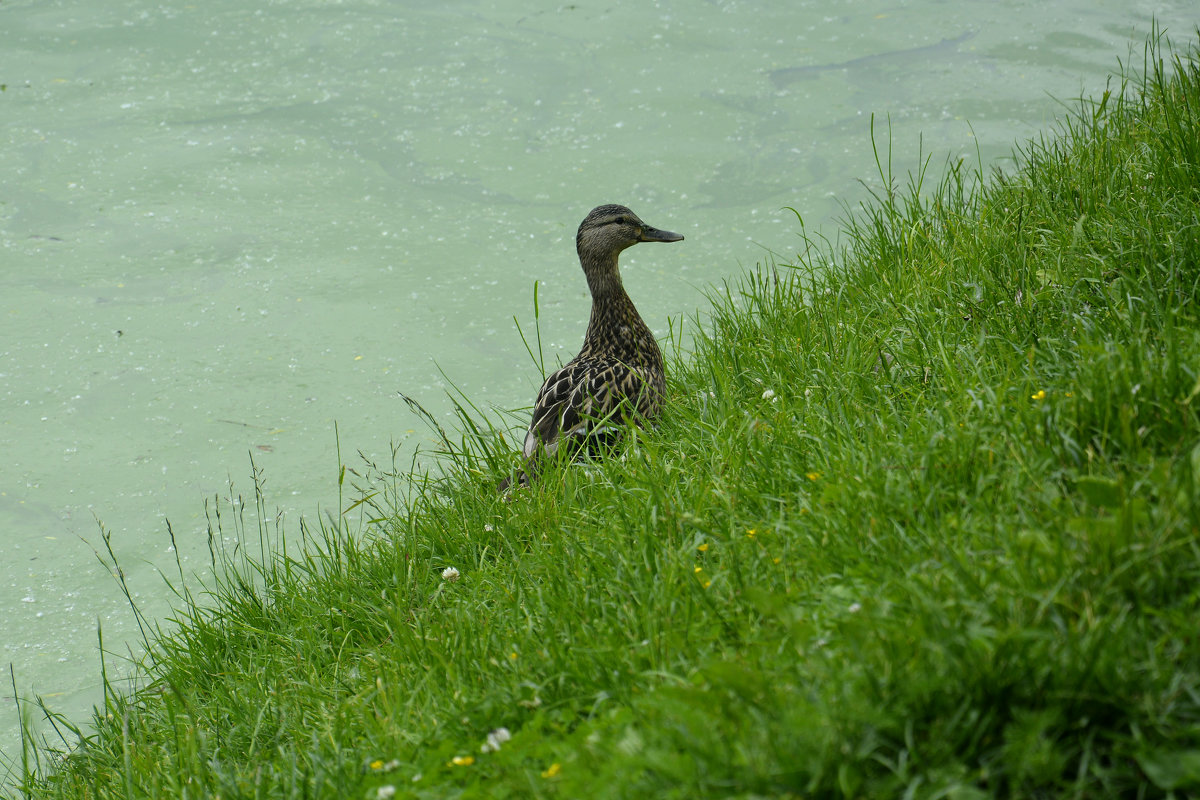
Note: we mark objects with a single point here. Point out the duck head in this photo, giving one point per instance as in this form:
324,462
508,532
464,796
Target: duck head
607,230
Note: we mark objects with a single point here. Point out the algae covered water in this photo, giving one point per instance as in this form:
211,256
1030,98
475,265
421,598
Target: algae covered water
226,226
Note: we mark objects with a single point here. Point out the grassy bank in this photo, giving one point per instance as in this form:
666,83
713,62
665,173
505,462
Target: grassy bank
920,520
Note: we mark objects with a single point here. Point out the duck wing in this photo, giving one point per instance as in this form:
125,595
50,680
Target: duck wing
584,395
565,405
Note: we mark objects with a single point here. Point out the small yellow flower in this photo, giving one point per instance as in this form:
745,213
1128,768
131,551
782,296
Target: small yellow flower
1070,394
462,761
552,770
1040,394
813,476
703,548
698,570
706,584
377,764
776,560
752,532
513,656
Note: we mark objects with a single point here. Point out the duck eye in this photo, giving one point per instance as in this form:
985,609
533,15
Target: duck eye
622,220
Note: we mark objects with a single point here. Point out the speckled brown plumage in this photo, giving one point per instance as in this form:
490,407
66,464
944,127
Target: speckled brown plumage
620,367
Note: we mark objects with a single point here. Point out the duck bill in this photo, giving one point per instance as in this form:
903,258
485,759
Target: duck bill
655,235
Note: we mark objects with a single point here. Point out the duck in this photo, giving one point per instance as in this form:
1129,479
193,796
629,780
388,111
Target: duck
619,372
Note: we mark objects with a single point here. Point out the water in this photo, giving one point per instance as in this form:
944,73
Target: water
226,226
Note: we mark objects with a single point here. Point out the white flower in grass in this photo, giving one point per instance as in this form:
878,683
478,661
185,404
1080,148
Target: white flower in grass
450,574
494,740
854,608
385,792
769,394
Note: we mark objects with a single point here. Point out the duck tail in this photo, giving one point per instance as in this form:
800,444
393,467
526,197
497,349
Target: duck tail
524,476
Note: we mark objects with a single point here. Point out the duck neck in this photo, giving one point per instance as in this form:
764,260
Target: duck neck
604,279
615,327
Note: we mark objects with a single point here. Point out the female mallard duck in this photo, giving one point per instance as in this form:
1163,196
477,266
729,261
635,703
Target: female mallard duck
620,367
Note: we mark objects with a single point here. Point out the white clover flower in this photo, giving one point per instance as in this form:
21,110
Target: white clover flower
854,608
769,394
494,740
385,792
450,574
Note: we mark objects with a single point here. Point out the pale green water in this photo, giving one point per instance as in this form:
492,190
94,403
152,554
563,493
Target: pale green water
226,225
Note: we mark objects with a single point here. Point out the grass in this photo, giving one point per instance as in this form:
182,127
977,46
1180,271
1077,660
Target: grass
921,520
